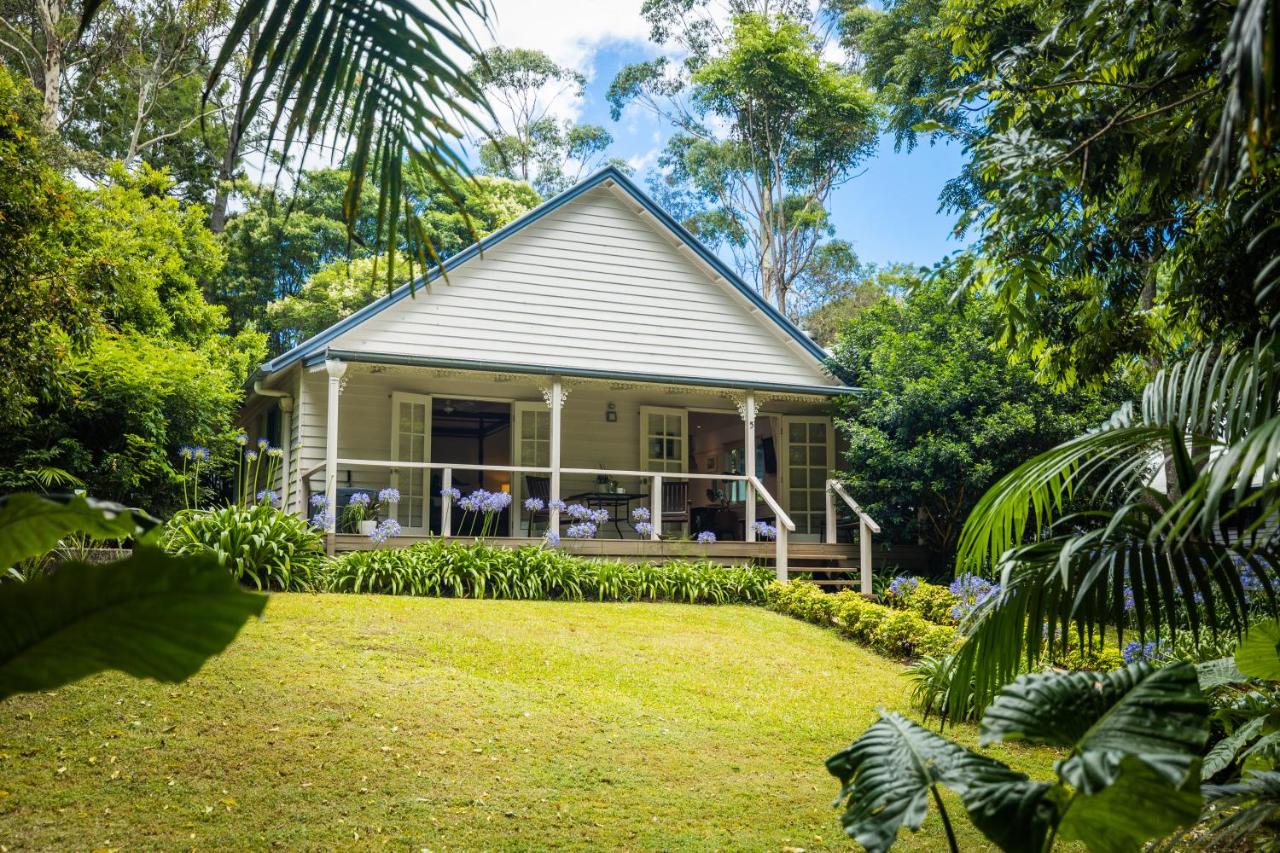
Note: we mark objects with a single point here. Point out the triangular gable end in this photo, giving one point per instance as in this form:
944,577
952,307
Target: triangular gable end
598,280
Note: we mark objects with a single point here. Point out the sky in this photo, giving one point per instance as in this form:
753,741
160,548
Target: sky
889,211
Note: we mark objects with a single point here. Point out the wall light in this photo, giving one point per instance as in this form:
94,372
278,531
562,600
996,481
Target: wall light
611,413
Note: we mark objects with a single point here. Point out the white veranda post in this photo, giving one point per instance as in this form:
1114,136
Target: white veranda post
336,370
555,401
749,458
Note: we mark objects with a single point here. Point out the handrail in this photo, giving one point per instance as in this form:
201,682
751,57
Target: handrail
866,526
782,517
838,488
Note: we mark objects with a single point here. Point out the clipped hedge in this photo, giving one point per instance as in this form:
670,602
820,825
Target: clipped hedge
899,633
475,570
927,600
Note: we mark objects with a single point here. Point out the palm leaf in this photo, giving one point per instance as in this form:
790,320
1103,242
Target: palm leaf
1071,531
1241,811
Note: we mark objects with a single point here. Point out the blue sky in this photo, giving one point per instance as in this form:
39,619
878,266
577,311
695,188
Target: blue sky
889,212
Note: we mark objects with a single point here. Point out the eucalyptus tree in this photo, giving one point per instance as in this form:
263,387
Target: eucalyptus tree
765,129
529,142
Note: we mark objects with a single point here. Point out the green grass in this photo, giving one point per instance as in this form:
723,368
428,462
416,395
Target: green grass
462,725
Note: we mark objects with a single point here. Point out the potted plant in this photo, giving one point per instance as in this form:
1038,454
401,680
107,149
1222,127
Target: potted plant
360,514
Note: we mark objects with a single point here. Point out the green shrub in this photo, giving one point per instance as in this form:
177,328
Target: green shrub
462,570
927,600
898,633
258,544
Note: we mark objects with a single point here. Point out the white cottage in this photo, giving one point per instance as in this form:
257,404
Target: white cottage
591,351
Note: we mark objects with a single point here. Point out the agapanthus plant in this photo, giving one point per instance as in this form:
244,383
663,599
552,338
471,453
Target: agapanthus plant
644,529
359,507
706,537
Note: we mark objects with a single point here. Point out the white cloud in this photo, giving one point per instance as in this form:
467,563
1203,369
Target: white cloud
569,31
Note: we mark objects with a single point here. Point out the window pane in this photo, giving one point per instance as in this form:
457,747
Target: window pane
796,432
818,454
795,454
818,433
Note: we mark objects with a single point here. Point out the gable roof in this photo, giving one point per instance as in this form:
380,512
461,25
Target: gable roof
609,176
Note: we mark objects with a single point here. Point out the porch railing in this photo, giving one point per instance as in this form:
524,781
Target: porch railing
866,526
753,487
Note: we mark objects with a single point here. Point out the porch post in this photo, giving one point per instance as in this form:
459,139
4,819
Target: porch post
864,555
556,401
749,448
336,370
286,450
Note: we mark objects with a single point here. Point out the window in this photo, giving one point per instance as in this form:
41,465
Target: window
662,438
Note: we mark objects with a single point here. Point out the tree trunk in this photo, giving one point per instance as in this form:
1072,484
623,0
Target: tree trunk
52,65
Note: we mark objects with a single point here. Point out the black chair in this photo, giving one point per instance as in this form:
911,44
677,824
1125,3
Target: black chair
675,504
538,487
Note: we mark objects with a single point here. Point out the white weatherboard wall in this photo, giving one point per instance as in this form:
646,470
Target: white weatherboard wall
594,284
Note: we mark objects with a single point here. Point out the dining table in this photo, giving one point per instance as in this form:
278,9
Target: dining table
618,504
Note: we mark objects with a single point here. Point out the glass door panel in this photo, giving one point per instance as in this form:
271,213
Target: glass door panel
807,470
411,442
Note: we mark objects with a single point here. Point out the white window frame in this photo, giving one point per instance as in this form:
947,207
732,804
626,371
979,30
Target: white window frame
683,414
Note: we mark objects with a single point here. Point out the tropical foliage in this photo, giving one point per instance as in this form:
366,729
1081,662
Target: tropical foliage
150,615
1133,739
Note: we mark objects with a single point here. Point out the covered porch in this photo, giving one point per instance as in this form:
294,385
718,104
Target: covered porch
699,457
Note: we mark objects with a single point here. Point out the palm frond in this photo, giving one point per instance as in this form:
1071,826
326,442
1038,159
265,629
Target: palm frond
391,78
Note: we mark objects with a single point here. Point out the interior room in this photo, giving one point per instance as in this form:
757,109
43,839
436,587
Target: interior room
716,446
471,432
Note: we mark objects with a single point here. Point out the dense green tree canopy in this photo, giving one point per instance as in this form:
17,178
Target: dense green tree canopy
947,414
1087,127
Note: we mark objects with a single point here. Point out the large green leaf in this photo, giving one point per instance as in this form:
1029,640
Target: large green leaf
1245,810
31,525
1226,750
1258,655
152,616
1157,715
1137,807
889,773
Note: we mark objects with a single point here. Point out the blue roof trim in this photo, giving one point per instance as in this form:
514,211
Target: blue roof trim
580,372
609,173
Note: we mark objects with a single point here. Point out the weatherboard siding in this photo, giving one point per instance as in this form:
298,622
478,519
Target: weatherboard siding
593,285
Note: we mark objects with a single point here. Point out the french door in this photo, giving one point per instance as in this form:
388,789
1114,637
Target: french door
807,451
411,442
531,446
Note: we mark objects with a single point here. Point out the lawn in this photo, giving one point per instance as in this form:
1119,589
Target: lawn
461,725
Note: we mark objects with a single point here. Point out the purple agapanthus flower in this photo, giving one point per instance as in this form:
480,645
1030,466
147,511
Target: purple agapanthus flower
706,537
903,584
534,505
578,512
358,499
386,528
553,538
318,500
263,444
495,502
765,530
323,521
599,516
581,530
389,496
641,513
644,529
452,494
556,505
266,496
242,438
250,456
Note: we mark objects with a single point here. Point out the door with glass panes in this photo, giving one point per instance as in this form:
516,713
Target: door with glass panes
411,442
808,466
532,447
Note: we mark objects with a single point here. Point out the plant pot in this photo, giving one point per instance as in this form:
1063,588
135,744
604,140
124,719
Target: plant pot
368,526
